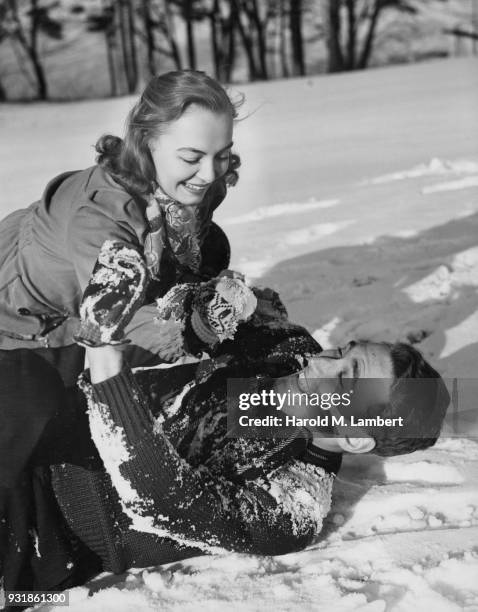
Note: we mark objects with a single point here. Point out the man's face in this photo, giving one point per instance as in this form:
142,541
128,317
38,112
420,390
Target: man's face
363,368
342,367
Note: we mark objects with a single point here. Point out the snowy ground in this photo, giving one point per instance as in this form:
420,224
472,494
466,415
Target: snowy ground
359,201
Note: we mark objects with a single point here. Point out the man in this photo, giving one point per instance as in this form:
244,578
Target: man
168,483
182,488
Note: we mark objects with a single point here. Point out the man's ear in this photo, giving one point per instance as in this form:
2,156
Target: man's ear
356,445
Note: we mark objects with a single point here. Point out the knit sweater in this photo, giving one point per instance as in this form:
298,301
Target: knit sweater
176,487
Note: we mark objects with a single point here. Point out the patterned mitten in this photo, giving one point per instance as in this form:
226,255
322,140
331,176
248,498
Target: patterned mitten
114,292
219,306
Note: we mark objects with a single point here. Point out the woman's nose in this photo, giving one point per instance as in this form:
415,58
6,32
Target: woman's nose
207,171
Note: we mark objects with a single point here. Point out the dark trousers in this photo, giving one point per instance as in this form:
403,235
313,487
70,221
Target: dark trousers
37,550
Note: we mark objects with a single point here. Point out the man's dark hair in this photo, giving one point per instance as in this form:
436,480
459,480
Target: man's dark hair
419,395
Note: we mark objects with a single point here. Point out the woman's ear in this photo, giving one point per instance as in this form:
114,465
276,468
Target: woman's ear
356,445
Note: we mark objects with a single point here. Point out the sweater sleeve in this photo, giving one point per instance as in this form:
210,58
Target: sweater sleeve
163,494
120,221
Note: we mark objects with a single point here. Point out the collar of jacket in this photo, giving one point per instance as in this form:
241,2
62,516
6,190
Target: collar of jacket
327,460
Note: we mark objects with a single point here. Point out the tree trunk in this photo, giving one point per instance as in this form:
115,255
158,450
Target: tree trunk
132,46
171,36
124,42
261,41
229,29
42,87
110,39
282,69
367,48
32,50
247,44
191,45
295,22
335,61
3,93
149,33
128,44
351,34
111,64
216,51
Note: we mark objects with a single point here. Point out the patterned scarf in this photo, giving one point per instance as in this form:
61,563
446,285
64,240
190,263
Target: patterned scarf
179,227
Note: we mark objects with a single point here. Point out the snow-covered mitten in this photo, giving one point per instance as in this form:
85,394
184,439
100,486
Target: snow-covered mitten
114,292
219,306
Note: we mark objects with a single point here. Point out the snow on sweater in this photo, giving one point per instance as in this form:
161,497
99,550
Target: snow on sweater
206,507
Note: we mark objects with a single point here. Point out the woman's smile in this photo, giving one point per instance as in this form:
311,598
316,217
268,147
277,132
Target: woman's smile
196,188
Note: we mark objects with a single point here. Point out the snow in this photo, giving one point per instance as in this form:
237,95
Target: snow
358,203
463,183
288,208
110,439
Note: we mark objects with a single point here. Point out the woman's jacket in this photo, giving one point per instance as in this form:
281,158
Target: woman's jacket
48,250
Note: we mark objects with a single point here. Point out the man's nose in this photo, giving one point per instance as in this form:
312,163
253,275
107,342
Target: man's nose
320,367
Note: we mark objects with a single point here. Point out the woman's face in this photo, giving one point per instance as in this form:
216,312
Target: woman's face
191,153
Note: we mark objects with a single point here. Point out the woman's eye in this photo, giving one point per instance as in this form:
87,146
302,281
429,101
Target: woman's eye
190,161
223,158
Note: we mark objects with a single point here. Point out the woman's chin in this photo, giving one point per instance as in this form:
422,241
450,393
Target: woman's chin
190,201
187,196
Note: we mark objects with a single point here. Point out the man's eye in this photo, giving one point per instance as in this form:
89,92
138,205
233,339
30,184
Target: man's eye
224,158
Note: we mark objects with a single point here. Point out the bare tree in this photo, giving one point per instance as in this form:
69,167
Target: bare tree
252,24
350,47
188,14
105,21
28,21
222,17
297,42
168,30
158,21
4,33
191,11
332,26
280,36
149,34
126,24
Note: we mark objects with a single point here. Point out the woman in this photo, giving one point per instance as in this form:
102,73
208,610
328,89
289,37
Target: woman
154,192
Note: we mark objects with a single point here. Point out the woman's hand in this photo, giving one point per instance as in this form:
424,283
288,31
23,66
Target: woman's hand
269,304
219,307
